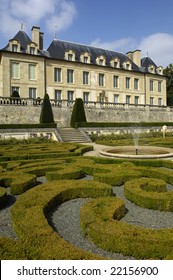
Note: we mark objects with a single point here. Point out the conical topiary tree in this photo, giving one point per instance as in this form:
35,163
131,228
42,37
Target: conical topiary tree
46,115
78,113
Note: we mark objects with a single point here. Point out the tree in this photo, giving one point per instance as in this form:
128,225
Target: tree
46,115
168,72
78,113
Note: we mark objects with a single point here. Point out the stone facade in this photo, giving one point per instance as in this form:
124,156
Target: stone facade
68,70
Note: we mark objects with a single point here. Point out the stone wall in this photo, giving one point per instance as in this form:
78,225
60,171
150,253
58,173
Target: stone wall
12,114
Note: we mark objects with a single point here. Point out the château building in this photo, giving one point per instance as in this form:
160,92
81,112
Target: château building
67,71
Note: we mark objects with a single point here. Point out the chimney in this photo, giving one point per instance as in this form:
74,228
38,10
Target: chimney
37,37
135,56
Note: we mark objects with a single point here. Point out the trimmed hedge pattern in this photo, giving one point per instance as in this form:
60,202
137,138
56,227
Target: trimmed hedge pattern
36,238
39,241
103,227
149,193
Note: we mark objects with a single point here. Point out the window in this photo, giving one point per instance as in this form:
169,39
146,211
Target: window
127,83
115,62
70,57
32,93
136,100
14,47
85,59
13,89
15,70
151,68
127,65
151,85
136,84
57,75
116,98
101,80
70,95
101,60
32,50
151,101
102,97
128,97
85,78
32,72
116,81
159,86
70,74
86,96
58,95
160,101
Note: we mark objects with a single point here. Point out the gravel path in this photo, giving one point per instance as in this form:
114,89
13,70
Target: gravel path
66,220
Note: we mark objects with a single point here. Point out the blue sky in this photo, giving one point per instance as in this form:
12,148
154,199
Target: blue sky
119,25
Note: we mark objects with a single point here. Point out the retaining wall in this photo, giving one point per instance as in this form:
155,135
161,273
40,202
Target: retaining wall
12,114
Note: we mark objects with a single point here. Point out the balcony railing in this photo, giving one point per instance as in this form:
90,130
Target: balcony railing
6,101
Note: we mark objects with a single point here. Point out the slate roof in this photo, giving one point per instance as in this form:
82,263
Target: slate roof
24,40
58,48
146,62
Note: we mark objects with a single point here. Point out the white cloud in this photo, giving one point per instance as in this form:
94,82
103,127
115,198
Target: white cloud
117,45
158,46
64,18
33,12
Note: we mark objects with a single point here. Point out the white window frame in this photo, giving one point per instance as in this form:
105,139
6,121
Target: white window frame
116,98
57,75
136,84
15,70
151,85
70,76
58,94
101,80
85,78
32,72
86,96
32,93
128,81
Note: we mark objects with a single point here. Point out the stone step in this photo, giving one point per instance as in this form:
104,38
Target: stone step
72,135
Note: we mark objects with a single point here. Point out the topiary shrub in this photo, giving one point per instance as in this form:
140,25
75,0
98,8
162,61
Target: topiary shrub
46,115
15,94
78,113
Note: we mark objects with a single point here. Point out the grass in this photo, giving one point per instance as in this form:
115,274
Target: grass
152,139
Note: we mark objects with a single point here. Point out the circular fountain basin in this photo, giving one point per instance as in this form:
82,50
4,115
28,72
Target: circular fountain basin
143,152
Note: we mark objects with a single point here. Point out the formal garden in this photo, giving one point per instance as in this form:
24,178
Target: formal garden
38,175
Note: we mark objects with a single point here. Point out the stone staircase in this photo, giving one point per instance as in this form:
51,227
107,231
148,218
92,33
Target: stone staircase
72,135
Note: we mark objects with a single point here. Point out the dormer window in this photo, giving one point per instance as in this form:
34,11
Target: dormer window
85,57
101,60
115,63
160,70
32,50
127,65
14,47
70,55
151,69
